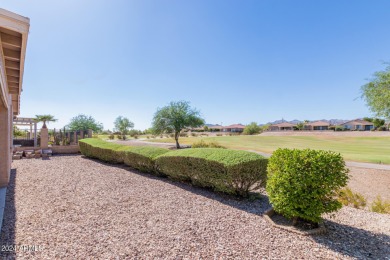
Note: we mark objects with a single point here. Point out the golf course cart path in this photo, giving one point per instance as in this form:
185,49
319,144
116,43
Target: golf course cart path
76,208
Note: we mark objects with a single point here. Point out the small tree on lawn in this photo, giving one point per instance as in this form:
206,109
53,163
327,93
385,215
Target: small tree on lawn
252,129
123,125
176,117
44,119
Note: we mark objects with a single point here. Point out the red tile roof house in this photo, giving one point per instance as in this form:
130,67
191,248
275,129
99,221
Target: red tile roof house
317,126
358,124
282,127
215,128
237,128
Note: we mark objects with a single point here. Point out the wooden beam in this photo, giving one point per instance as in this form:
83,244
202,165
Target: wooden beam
13,73
13,85
11,54
11,40
12,64
13,79
13,91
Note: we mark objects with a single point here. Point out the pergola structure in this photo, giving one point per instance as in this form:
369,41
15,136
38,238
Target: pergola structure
24,121
13,40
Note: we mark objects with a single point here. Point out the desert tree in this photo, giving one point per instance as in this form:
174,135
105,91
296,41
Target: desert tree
123,125
175,117
83,122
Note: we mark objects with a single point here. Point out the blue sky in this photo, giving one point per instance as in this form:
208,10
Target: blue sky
236,61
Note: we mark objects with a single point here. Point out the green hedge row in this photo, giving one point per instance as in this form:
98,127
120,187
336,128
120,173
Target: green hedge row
229,171
105,151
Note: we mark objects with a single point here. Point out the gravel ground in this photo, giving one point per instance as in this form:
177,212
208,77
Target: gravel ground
370,183
77,208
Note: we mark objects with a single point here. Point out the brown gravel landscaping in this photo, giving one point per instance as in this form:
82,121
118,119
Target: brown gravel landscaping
78,208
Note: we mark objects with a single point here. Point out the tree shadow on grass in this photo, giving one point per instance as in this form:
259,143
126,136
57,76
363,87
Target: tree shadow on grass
346,240
7,237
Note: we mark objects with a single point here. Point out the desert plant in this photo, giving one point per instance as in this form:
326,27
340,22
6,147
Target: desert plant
175,117
304,183
44,119
203,144
83,122
252,129
348,198
229,171
380,206
122,125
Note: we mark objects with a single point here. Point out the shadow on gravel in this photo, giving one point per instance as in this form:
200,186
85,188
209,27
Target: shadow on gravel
7,238
355,242
257,203
346,240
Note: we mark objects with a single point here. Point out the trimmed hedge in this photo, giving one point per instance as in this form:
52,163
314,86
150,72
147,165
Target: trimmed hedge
229,171
105,151
143,158
304,183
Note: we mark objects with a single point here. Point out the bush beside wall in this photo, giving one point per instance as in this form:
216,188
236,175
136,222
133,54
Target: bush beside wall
229,171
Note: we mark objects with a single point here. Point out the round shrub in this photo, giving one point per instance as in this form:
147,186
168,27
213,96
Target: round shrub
304,183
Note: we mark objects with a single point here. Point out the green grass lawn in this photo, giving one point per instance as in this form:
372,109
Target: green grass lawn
362,149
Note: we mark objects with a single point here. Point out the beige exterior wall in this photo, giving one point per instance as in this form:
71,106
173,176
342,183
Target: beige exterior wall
5,143
13,41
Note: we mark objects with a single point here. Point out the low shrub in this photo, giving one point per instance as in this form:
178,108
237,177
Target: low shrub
348,198
105,151
252,129
304,183
218,134
111,137
203,144
229,171
380,206
143,158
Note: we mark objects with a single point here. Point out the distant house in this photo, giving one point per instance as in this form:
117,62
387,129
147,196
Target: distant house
282,127
237,128
215,128
317,126
211,128
358,124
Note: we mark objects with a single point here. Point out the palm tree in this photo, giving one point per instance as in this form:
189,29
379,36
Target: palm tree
44,119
